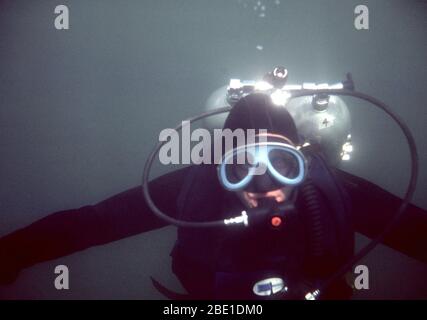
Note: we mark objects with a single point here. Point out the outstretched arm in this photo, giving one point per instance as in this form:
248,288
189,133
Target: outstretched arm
68,231
373,208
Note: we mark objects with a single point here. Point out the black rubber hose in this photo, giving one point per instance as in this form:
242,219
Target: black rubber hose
313,212
146,175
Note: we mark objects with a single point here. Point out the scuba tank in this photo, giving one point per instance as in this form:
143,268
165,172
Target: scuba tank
321,119
324,120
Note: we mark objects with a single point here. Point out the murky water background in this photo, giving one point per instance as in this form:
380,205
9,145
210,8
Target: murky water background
80,109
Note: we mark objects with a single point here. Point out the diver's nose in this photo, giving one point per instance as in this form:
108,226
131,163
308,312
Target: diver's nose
264,183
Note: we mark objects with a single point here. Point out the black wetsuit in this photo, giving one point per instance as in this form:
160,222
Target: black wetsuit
127,214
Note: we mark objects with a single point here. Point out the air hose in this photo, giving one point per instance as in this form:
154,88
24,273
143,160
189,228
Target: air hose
313,211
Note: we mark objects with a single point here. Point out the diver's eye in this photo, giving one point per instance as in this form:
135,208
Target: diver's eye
284,163
240,171
238,166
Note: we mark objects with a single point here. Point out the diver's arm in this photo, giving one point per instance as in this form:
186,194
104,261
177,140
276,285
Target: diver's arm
374,207
68,231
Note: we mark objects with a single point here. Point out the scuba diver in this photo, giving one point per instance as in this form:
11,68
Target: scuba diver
281,234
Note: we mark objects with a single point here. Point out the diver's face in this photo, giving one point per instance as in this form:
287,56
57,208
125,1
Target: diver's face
251,199
265,186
